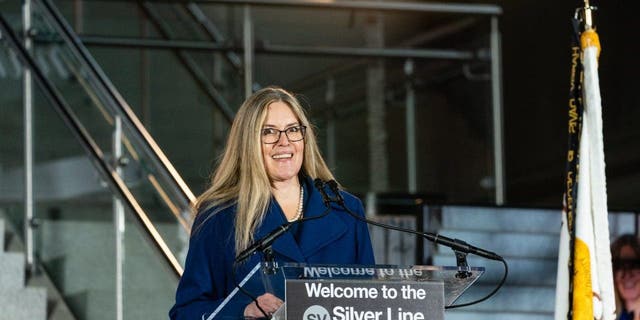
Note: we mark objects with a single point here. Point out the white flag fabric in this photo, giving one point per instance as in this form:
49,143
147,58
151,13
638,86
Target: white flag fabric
593,289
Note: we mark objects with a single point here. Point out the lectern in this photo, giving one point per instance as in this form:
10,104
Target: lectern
352,292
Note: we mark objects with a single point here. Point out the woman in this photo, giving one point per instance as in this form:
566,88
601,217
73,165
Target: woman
625,252
263,181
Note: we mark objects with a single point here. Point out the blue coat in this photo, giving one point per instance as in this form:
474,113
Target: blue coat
336,238
625,315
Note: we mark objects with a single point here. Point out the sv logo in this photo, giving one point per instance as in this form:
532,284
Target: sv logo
316,312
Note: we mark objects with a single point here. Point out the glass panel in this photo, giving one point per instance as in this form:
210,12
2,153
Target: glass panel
160,197
75,240
149,286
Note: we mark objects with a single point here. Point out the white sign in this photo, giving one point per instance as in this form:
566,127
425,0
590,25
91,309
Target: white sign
364,300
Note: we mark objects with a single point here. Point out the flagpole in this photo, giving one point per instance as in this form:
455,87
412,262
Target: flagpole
585,288
588,18
593,288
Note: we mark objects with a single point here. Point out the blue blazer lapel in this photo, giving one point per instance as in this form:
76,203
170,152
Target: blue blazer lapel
316,234
286,244
320,232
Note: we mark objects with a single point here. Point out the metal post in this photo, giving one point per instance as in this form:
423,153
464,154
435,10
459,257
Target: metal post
331,142
375,5
28,144
248,51
331,122
372,203
496,87
145,77
118,221
376,111
78,16
410,118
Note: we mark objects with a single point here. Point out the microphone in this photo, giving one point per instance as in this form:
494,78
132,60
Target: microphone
459,245
320,186
333,185
264,242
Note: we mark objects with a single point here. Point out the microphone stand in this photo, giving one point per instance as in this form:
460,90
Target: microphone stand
464,271
269,263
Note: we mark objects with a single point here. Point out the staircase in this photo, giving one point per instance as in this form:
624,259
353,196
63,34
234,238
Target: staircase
16,300
528,240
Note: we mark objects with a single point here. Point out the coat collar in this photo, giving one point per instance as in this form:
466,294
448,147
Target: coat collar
316,233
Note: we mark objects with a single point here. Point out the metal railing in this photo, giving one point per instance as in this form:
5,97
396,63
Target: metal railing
118,104
127,134
106,169
249,47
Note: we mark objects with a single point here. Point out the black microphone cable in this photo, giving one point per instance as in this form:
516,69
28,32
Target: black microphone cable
455,244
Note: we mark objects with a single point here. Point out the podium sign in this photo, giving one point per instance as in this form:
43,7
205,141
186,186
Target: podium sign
456,279
352,292
364,300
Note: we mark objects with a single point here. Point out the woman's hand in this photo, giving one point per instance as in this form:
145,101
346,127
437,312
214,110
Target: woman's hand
268,302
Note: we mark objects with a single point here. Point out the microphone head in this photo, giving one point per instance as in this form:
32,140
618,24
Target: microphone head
318,183
320,186
333,185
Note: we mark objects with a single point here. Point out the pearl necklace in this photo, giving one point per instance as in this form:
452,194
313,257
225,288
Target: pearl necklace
300,205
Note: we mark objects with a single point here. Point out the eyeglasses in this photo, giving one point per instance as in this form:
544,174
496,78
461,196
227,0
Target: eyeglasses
271,135
625,264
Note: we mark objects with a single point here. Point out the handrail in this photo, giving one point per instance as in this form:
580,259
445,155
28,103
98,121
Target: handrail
212,32
110,175
357,52
130,119
467,8
216,36
211,91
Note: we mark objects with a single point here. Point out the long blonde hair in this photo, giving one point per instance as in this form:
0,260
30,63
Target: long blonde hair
241,177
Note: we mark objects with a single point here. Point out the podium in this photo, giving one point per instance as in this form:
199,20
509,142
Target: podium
352,292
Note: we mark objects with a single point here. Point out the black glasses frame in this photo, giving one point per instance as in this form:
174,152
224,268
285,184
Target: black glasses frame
303,129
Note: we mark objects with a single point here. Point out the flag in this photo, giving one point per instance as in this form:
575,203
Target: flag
585,289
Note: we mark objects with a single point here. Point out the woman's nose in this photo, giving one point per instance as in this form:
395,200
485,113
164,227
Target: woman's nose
283,139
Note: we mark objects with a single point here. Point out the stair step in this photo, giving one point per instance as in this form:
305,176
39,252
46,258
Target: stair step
69,249
520,269
508,244
501,219
521,219
11,270
26,303
100,304
393,247
517,298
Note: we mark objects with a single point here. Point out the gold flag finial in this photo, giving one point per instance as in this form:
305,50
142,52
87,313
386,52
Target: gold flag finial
588,37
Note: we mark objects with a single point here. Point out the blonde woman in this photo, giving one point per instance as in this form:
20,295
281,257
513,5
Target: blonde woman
265,179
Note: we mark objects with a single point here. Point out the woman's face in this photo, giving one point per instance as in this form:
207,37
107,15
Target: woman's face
282,159
628,279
